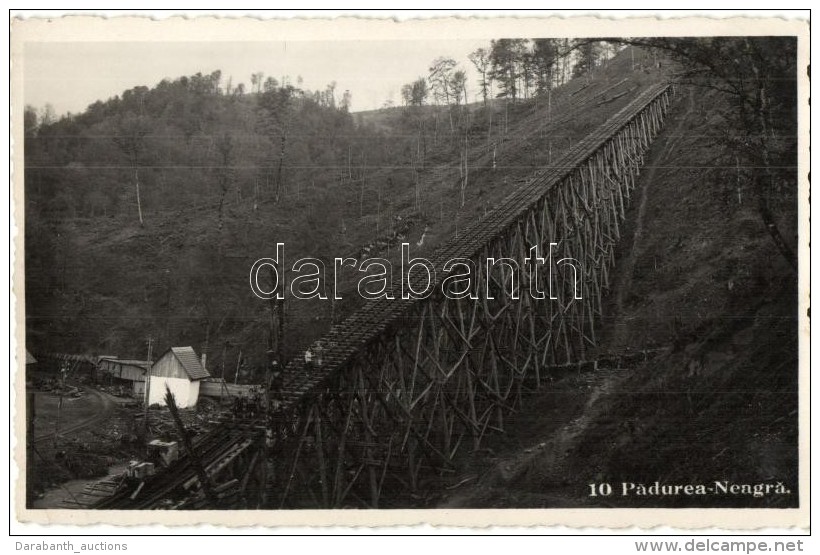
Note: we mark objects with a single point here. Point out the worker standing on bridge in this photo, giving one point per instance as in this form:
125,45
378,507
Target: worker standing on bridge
308,360
275,385
252,402
319,352
236,405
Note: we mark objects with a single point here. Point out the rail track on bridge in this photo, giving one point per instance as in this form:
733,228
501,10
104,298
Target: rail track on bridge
405,384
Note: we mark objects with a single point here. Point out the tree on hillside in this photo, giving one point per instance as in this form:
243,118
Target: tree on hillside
544,58
198,84
347,101
215,78
589,56
415,93
528,73
506,58
330,95
47,115
448,85
224,172
458,86
256,82
564,64
440,77
130,138
30,122
270,84
481,60
276,110
758,77
180,146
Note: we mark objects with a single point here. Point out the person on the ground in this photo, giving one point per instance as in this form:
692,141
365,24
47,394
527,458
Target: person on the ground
236,406
243,406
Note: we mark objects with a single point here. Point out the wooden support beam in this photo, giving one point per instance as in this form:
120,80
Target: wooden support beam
437,374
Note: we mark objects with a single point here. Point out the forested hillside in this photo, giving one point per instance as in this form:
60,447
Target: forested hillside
137,207
145,213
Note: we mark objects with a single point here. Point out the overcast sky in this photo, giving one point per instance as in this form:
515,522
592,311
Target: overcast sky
72,75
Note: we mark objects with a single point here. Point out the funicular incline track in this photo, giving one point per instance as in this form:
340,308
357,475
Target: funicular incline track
347,338
404,383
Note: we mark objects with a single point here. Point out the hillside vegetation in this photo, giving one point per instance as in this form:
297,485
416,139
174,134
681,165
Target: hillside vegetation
222,178
698,278
145,213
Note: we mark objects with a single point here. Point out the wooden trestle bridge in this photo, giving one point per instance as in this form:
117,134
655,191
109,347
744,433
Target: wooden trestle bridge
406,384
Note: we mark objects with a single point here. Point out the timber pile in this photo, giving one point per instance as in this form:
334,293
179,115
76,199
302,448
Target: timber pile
612,98
161,424
94,492
606,90
178,486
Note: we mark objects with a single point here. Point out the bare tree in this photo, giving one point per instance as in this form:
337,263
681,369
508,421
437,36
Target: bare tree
481,60
756,75
130,139
439,77
224,173
276,112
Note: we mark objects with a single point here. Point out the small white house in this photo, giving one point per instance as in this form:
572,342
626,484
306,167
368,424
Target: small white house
180,370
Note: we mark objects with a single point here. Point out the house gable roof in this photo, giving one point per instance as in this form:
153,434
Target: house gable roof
190,363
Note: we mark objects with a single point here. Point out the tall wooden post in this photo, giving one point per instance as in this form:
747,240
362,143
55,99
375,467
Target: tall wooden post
238,364
148,382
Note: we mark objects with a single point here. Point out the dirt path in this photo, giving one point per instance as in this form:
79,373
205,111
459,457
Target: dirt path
105,406
626,268
504,478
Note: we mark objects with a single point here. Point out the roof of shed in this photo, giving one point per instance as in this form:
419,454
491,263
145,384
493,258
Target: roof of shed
190,362
145,364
